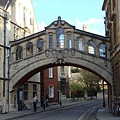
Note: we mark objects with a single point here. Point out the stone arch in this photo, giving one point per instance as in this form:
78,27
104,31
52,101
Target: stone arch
30,69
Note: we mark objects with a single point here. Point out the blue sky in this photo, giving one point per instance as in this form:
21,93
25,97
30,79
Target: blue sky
76,12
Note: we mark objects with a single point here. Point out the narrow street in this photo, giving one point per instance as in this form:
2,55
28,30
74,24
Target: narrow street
73,112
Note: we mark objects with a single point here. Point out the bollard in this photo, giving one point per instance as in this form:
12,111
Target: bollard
44,106
60,103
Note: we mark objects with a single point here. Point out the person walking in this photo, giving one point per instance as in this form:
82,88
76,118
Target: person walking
35,99
47,100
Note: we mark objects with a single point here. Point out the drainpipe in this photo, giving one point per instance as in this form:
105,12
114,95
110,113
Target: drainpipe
5,60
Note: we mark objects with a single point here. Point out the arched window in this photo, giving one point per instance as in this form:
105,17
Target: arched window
40,43
29,49
80,44
91,47
19,53
69,41
60,38
102,50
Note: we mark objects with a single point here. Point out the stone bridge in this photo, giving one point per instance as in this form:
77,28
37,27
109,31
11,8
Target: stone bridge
59,44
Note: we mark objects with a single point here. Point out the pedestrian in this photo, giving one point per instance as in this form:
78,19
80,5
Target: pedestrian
35,99
47,97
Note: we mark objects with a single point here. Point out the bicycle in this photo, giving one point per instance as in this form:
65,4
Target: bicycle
24,107
116,108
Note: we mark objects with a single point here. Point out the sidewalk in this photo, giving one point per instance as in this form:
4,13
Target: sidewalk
105,114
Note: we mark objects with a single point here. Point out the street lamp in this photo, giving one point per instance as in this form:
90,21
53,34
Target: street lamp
104,104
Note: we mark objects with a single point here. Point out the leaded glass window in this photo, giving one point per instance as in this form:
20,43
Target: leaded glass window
91,47
80,44
60,37
102,50
29,48
50,42
19,53
40,43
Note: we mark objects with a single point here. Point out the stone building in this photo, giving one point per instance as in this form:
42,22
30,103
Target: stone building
112,31
16,21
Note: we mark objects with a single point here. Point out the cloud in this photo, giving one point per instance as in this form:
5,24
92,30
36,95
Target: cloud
96,25
42,26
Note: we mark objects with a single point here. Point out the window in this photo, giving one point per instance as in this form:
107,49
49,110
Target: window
69,41
50,41
16,33
40,44
91,47
60,38
34,89
80,44
51,91
29,48
19,53
50,72
25,91
102,50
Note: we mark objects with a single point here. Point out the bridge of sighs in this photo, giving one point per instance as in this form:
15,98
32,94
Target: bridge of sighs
59,44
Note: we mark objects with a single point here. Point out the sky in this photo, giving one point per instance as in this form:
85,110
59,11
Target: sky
75,12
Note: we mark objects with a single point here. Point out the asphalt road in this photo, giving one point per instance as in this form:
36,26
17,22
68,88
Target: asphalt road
73,112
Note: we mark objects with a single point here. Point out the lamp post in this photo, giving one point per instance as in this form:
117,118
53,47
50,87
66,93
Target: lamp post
104,104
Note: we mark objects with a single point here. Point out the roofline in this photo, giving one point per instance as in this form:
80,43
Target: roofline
104,5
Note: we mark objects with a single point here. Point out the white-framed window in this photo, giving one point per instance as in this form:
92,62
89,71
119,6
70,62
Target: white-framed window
50,72
51,91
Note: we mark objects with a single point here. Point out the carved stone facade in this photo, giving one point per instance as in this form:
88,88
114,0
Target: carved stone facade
112,24
60,44
16,21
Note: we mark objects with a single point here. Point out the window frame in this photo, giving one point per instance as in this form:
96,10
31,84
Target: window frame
103,53
91,47
29,49
40,44
19,53
60,40
80,44
51,92
51,70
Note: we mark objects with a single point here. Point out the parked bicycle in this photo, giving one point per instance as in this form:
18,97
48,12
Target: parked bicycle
116,108
24,107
